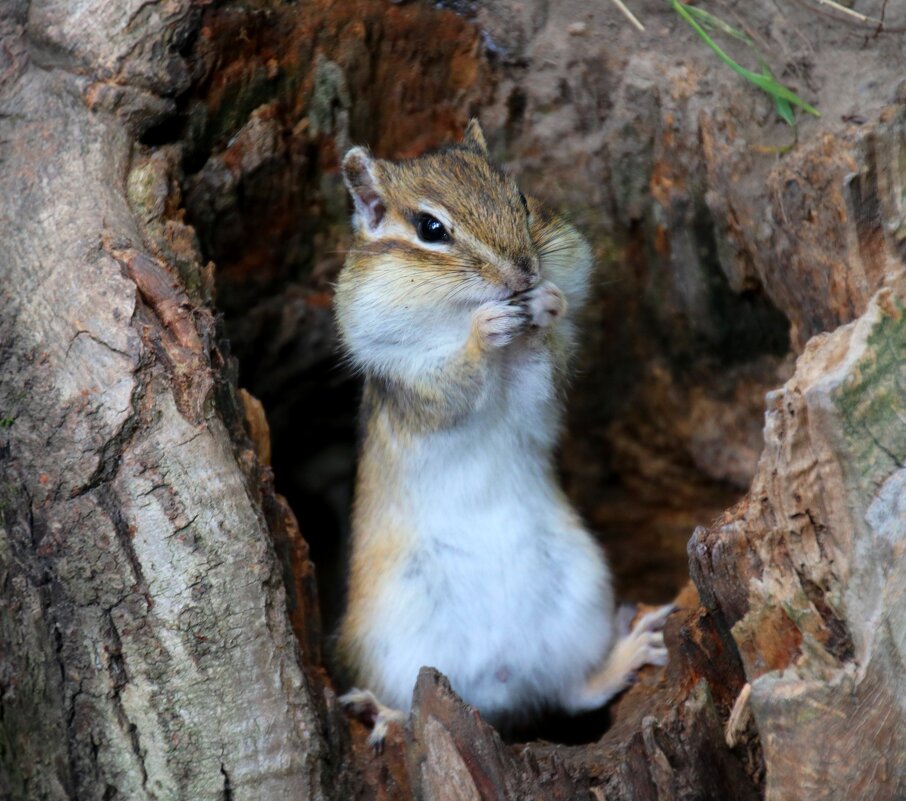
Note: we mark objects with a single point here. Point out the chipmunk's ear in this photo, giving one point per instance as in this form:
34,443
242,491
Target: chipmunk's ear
362,183
474,137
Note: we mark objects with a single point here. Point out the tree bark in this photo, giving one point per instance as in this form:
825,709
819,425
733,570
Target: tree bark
160,634
146,649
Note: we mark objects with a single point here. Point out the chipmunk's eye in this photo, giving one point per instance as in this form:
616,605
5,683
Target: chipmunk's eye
430,229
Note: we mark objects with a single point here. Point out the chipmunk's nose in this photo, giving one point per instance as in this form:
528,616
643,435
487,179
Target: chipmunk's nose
528,267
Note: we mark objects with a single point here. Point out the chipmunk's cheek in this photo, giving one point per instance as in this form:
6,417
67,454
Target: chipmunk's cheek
493,276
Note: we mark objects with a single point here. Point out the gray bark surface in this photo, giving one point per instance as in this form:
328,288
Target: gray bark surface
146,651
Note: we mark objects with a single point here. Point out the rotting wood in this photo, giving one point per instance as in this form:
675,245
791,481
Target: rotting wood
147,629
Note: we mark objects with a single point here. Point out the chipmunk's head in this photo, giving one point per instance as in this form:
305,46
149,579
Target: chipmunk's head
451,216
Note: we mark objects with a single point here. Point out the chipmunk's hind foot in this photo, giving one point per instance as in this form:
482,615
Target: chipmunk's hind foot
643,645
364,705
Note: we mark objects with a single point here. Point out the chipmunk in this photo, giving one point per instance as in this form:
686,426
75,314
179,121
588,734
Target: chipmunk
457,302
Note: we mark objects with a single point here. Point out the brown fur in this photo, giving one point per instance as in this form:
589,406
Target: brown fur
484,202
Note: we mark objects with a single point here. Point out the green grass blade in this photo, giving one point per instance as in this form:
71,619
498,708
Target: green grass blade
781,106
717,23
767,83
784,110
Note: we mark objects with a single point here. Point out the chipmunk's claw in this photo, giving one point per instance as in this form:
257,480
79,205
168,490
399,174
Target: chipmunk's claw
545,303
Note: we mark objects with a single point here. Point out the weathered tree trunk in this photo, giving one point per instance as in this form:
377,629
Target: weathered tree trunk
159,627
146,649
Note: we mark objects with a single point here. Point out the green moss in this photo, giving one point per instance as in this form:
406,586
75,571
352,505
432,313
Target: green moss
797,609
872,403
8,416
139,187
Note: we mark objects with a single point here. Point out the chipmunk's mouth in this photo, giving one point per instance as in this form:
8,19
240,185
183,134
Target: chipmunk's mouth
494,291
508,293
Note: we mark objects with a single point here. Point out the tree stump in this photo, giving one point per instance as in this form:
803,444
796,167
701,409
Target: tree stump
172,202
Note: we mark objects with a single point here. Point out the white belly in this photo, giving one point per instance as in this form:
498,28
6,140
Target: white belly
502,589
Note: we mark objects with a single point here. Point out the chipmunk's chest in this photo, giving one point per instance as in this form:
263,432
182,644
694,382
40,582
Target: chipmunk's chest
499,588
521,410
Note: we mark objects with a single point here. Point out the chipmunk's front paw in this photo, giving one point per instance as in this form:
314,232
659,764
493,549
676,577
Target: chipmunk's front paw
500,322
545,304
